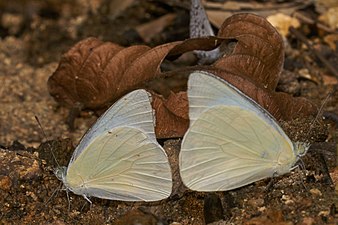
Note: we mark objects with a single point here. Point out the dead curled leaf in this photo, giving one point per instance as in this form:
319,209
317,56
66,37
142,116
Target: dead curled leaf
94,74
259,53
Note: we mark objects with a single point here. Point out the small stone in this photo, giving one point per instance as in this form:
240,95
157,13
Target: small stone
315,192
262,209
324,213
256,202
287,200
285,197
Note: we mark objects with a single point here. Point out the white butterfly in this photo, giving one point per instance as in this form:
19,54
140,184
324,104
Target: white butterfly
119,157
231,141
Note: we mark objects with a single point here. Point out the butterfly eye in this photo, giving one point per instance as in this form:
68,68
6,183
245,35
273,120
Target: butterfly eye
60,172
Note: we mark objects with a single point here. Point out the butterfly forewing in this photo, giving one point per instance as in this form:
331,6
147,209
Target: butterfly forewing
206,90
132,110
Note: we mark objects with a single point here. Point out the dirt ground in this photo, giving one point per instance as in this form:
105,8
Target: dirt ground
33,36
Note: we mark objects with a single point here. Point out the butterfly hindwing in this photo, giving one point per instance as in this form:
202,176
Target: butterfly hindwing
228,147
123,164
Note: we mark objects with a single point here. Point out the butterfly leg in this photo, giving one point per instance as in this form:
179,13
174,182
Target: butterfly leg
271,182
85,197
67,192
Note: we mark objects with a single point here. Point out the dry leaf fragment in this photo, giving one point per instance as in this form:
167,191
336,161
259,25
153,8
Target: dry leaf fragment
259,53
171,115
281,105
94,74
330,17
75,78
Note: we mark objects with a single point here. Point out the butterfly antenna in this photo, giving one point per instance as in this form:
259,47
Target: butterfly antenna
45,136
321,109
321,157
271,182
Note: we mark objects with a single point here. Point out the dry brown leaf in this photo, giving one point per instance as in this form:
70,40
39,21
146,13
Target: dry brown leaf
281,105
94,74
259,53
171,115
74,81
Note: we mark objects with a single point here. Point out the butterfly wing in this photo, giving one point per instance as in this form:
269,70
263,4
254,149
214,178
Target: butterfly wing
133,110
123,164
206,90
119,157
231,141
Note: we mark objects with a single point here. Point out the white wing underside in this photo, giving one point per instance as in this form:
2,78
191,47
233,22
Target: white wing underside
228,147
119,157
206,90
231,141
133,110
128,166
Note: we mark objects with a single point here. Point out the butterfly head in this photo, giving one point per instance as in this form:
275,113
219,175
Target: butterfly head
60,173
301,148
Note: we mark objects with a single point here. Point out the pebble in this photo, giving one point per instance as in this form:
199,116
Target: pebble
315,192
258,202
